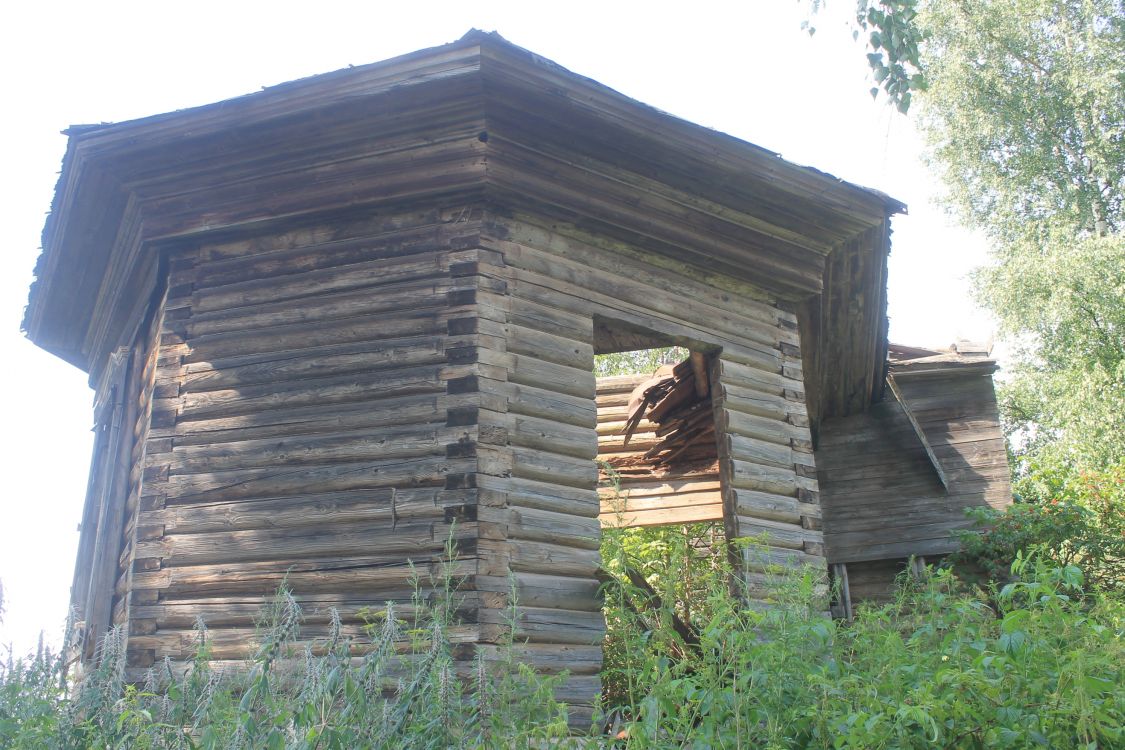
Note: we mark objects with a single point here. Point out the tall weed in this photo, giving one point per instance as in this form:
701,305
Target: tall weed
1037,662
937,668
403,687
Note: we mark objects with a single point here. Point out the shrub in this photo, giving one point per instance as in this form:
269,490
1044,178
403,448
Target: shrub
1072,519
1037,662
938,668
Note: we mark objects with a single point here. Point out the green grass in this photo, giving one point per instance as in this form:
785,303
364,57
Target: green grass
1036,663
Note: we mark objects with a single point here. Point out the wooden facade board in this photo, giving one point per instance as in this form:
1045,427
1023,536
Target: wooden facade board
883,499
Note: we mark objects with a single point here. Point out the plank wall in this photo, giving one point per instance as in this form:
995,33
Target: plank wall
882,498
312,423
873,581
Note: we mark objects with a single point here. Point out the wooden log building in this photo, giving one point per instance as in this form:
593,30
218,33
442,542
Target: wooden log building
335,323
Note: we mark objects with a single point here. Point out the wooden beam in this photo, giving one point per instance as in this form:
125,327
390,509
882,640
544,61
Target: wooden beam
699,369
114,468
918,431
840,572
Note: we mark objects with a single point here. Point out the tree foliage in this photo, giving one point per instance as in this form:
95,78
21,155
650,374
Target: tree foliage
1025,115
894,40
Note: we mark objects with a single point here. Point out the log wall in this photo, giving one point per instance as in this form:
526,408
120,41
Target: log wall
322,405
307,424
560,279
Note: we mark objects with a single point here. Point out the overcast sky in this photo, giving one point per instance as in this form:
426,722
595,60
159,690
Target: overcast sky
745,68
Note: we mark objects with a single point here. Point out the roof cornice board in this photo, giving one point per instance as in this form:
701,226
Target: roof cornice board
217,155
536,75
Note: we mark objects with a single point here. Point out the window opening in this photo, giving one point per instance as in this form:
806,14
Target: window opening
657,453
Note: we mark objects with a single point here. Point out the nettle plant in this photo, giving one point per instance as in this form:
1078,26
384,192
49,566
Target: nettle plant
398,688
1038,662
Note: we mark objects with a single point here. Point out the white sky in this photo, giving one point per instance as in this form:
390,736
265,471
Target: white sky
742,67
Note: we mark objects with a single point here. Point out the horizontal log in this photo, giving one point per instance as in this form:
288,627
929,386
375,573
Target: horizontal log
960,480
752,450
935,517
759,428
321,308
892,549
324,391
697,513
218,612
537,373
541,494
639,443
318,361
533,401
749,476
318,418
355,506
755,379
330,245
776,533
662,487
617,386
403,324
907,452
550,347
547,625
559,437
631,503
543,557
546,591
885,422
765,505
537,525
320,281
274,482
554,468
381,576
354,446
411,538
757,402
532,314
231,642
758,558
924,488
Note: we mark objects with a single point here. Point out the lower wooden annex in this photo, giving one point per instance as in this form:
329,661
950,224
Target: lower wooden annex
896,479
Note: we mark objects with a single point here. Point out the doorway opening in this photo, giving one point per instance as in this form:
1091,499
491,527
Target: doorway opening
663,534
